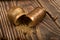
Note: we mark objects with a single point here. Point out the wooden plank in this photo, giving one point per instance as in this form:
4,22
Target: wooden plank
45,30
53,7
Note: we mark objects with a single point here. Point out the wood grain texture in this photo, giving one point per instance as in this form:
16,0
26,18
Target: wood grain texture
53,7
45,30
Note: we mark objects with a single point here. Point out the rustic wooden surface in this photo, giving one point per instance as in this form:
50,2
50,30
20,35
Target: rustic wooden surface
48,29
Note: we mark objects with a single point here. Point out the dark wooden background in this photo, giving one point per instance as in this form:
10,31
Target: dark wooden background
48,29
